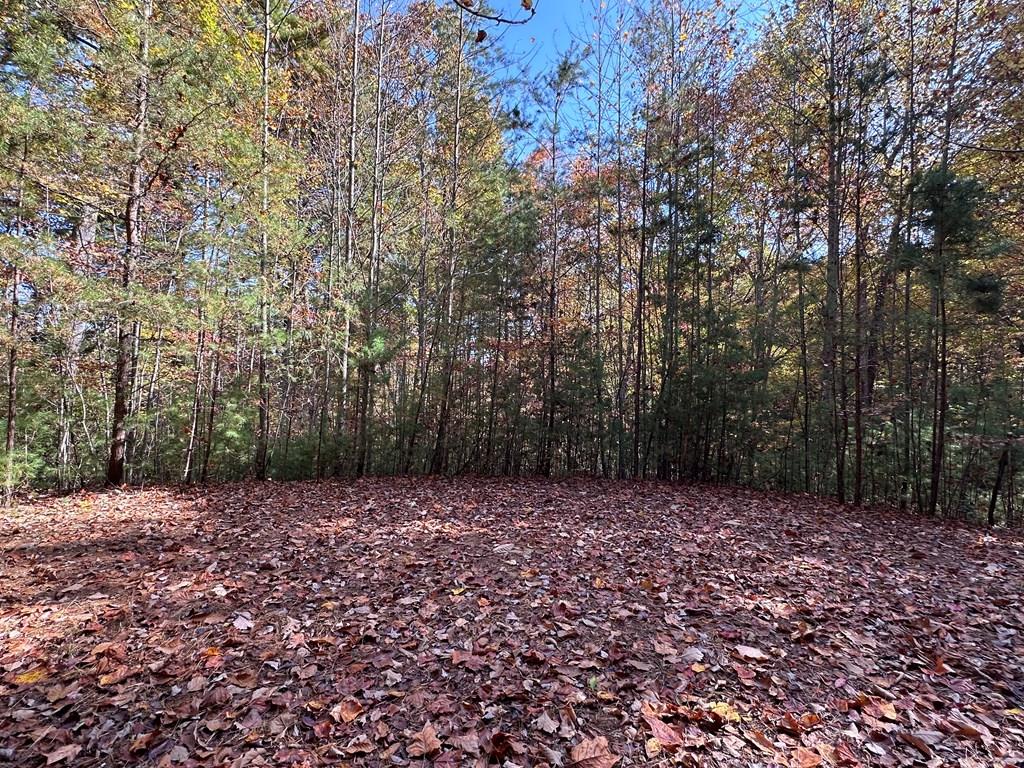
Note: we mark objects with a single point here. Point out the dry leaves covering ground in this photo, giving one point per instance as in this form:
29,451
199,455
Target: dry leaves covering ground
516,623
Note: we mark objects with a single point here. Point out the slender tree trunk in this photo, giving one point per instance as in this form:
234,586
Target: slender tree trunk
1004,459
545,456
860,309
350,204
12,388
369,367
599,399
439,462
831,360
620,223
197,390
133,250
798,193
263,386
641,285
12,352
212,409
941,399
908,394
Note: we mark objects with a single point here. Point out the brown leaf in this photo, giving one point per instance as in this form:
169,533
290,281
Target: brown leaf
501,743
916,742
118,675
971,730
845,755
750,653
424,742
467,742
797,725
882,709
469,659
67,752
663,732
141,742
593,753
805,758
358,745
323,729
545,723
179,754
663,647
346,710
762,742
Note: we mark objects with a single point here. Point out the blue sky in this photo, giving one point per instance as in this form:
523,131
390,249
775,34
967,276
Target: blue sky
534,49
557,23
539,41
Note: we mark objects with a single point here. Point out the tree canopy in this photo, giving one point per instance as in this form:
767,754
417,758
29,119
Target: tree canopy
302,238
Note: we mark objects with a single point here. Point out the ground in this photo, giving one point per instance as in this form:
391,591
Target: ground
507,622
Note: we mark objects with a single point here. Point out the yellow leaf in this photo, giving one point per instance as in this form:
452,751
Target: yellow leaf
27,678
725,711
652,747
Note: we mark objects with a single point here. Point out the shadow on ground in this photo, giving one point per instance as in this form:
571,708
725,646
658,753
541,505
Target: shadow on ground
304,624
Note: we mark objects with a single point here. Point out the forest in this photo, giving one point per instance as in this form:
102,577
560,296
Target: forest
303,239
512,383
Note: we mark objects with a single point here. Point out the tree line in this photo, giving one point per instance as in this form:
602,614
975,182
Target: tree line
309,238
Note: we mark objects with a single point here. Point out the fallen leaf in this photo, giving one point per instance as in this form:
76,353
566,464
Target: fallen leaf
467,742
360,744
750,653
424,742
67,752
32,676
652,747
346,710
545,723
666,735
762,742
593,753
179,754
805,758
725,712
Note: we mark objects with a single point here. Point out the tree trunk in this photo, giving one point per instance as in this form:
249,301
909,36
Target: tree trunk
133,250
439,460
263,386
941,397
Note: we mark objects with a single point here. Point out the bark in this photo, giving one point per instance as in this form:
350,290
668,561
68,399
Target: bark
941,397
350,205
12,389
439,461
263,386
122,380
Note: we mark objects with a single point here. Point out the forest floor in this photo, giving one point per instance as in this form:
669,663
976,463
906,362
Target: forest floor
579,624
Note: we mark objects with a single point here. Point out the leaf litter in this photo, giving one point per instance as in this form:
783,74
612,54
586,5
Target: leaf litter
583,624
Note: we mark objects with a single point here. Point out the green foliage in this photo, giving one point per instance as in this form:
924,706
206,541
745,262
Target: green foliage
478,305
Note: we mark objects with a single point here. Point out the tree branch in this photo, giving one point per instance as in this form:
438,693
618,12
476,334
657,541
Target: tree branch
467,5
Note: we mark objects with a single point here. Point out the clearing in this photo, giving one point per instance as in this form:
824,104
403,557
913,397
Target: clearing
515,622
